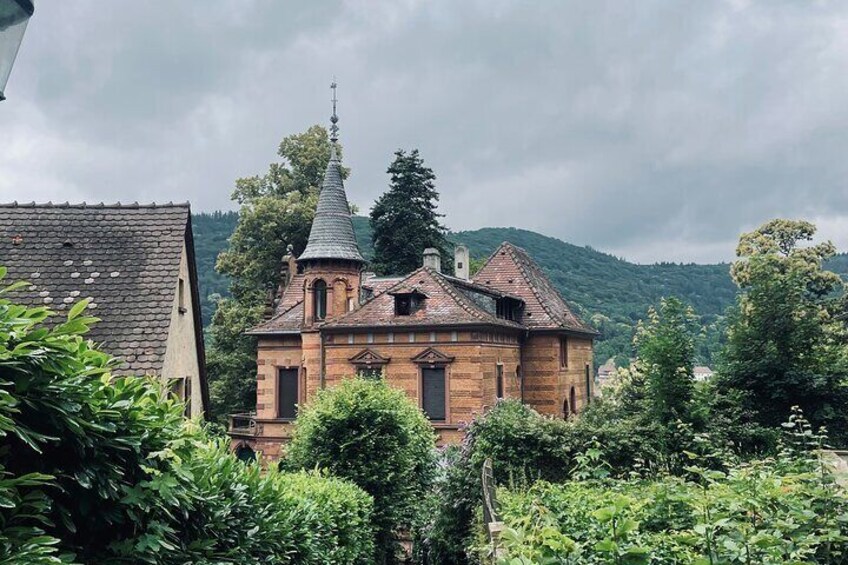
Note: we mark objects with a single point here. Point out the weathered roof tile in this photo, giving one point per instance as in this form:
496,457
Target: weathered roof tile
126,258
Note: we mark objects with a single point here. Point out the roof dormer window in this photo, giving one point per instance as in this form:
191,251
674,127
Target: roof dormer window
408,303
508,308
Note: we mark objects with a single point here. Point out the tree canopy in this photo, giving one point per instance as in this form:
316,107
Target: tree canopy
277,209
404,219
786,342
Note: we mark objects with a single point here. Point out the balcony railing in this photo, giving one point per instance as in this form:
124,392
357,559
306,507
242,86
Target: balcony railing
243,424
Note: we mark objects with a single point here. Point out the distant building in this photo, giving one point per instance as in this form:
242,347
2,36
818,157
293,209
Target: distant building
135,263
454,344
702,373
606,374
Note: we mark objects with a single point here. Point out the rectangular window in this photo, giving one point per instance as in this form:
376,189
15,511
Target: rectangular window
432,336
287,394
433,393
188,396
563,351
411,337
391,337
181,296
500,382
373,373
588,385
454,336
409,303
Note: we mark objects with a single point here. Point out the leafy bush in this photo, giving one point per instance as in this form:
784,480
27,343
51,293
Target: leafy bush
96,469
523,445
244,513
373,435
773,511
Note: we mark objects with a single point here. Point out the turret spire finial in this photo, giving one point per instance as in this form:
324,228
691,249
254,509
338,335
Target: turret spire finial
334,119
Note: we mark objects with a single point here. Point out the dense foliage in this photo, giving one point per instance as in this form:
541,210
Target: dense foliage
96,469
404,219
666,352
788,509
373,435
787,344
523,447
276,212
211,232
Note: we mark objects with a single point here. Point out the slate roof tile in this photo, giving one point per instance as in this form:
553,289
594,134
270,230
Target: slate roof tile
331,235
125,257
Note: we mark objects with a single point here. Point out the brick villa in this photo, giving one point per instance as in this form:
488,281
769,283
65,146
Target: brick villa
454,344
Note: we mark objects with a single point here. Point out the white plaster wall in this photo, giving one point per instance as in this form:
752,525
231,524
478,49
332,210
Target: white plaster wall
181,349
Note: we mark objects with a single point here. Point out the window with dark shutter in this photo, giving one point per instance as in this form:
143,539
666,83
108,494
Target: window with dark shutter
500,382
563,351
433,393
287,394
188,396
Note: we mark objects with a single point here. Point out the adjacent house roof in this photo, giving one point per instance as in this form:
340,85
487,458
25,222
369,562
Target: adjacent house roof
446,304
510,269
126,258
332,236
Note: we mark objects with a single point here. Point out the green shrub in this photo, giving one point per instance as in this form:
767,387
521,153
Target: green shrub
102,470
373,435
772,511
524,447
245,514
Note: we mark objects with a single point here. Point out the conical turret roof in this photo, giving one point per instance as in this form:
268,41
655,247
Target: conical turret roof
332,235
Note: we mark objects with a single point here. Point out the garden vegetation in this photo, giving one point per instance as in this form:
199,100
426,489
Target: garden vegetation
97,469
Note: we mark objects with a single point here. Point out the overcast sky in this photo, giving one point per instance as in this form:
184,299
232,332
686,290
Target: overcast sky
652,130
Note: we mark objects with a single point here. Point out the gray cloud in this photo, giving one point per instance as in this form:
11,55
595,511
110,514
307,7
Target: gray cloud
654,130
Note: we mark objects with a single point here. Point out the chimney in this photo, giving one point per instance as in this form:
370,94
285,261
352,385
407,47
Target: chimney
433,259
461,260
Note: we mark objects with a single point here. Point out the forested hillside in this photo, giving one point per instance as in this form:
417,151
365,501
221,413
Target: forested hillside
611,293
211,232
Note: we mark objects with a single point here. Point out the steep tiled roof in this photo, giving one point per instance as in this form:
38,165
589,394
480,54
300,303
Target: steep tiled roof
379,285
445,305
126,258
510,269
288,316
332,236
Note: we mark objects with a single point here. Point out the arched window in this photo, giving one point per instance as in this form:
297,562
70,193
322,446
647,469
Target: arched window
319,295
565,409
573,401
245,453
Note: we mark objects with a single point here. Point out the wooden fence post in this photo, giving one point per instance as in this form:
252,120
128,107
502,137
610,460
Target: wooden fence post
491,512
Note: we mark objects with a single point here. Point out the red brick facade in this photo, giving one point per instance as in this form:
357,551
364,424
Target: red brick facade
452,345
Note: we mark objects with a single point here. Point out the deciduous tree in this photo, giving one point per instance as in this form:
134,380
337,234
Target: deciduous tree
276,211
665,343
786,342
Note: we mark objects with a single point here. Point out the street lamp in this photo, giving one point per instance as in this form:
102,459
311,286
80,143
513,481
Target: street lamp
14,15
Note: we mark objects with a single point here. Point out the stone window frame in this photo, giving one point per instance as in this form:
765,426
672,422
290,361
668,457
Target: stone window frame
432,358
301,389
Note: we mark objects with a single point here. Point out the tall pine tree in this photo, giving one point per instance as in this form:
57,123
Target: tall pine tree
404,219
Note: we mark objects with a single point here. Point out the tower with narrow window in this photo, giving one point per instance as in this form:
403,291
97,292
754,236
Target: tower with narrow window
331,263
453,344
